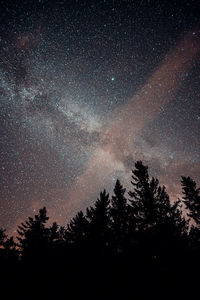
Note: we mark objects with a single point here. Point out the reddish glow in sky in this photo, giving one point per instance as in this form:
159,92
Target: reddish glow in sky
88,89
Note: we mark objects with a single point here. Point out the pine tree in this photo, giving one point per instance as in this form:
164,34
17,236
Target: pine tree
99,221
119,216
160,225
77,229
144,197
150,202
191,198
54,233
2,237
33,236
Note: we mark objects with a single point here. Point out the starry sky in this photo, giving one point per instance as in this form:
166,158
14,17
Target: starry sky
86,89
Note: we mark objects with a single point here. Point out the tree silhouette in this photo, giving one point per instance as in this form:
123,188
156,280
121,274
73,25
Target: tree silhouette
33,236
54,233
8,249
150,202
160,226
77,229
119,216
191,198
2,236
118,248
142,197
98,218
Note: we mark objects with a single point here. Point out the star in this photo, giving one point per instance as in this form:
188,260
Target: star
88,89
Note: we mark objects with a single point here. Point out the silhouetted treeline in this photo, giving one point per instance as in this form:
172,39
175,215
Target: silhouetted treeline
133,245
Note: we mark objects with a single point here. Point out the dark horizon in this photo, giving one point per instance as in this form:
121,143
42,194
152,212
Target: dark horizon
139,247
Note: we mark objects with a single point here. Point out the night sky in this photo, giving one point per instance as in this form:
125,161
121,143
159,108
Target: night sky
88,88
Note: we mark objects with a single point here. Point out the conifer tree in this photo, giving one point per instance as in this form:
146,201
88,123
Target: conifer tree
99,220
77,229
144,197
150,201
33,236
119,216
191,198
2,236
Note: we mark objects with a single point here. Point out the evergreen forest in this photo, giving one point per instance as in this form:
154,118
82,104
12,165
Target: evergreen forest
136,244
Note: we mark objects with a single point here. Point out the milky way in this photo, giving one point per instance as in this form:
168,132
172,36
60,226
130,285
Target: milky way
86,90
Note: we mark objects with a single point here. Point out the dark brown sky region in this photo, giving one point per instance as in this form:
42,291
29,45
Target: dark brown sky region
88,88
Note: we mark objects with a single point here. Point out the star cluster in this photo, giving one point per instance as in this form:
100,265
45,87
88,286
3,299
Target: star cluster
88,88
